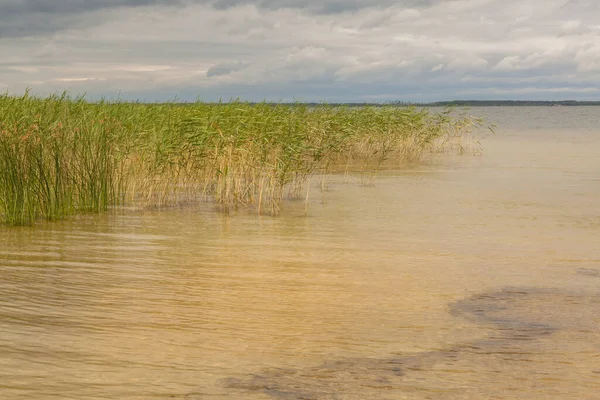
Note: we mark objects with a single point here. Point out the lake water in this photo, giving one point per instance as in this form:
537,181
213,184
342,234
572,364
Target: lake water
467,277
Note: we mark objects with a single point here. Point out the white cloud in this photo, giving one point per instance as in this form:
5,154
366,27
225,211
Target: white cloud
78,79
570,25
588,58
465,62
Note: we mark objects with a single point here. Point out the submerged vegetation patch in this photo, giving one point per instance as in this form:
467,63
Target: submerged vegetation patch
60,156
506,358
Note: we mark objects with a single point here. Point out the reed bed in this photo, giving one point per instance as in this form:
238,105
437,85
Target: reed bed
60,156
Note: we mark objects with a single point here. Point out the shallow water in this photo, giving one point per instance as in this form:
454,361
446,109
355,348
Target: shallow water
466,277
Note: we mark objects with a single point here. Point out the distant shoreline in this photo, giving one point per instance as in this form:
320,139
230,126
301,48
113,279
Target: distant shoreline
487,103
471,103
452,103
449,103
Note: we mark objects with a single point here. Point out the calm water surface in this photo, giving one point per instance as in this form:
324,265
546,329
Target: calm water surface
467,277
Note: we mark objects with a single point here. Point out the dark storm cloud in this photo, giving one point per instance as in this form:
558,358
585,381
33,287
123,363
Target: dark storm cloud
16,7
20,18
19,7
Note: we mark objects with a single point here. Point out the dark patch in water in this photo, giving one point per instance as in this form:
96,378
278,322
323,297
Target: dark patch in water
327,380
589,272
517,317
507,310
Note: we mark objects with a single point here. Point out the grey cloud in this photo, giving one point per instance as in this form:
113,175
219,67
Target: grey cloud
324,6
10,8
409,90
225,68
20,7
19,18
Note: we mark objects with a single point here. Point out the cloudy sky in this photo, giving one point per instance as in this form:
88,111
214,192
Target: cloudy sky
309,50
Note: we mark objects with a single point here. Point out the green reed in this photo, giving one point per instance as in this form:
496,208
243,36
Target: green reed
60,156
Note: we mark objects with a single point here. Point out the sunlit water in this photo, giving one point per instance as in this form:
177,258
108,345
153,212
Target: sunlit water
467,277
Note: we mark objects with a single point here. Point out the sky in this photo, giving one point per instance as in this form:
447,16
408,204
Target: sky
311,50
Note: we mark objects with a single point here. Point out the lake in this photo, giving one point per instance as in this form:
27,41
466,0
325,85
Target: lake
465,277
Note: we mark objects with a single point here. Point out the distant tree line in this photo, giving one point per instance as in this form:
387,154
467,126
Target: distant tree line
452,103
459,103
487,103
